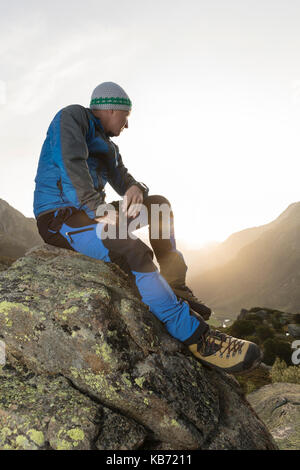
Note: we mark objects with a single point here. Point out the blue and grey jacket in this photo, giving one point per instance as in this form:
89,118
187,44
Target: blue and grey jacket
76,161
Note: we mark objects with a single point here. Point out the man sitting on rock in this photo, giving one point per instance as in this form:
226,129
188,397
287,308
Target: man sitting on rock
77,159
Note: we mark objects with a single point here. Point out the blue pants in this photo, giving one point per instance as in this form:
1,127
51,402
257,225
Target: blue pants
72,229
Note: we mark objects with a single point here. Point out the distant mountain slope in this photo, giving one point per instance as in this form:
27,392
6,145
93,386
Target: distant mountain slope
17,232
221,253
265,271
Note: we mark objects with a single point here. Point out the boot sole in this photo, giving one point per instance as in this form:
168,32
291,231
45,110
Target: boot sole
254,365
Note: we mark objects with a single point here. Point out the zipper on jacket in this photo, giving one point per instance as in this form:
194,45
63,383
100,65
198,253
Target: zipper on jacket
78,231
59,185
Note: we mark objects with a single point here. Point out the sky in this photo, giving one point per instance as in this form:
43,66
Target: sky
215,87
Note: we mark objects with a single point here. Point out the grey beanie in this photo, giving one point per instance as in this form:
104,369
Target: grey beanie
109,95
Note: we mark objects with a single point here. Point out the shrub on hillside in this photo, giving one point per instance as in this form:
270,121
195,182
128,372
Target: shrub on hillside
276,321
274,348
280,372
253,317
254,379
256,309
242,328
264,332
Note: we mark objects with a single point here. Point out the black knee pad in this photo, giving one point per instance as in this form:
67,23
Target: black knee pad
140,256
137,254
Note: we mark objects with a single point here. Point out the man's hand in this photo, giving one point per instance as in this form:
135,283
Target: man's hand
110,218
133,200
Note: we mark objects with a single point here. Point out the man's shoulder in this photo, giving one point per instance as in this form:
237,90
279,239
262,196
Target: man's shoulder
75,109
77,113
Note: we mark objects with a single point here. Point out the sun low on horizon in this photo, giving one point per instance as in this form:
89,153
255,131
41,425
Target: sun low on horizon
215,120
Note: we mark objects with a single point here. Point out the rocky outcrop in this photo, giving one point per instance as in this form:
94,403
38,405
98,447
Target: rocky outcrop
267,315
78,338
278,405
17,232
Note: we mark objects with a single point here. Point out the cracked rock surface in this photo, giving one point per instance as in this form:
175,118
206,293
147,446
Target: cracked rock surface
278,405
90,367
45,412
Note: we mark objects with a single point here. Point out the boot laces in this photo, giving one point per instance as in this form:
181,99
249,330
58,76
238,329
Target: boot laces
214,341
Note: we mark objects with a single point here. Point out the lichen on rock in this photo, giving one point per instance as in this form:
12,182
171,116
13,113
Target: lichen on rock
87,340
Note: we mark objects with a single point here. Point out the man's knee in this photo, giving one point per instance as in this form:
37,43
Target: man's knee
156,199
138,255
141,256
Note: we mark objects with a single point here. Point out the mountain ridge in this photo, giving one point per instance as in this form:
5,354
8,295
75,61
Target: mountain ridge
265,271
17,232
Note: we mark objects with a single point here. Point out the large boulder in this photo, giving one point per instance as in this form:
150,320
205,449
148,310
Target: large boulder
278,405
77,324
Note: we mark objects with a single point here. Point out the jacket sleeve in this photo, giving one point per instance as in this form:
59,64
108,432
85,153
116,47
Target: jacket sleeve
121,180
70,155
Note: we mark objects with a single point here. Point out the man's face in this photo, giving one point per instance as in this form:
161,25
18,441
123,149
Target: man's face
117,121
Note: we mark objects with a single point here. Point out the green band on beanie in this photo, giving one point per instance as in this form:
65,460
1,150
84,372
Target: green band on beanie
111,100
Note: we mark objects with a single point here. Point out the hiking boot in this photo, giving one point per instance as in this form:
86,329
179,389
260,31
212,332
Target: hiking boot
183,292
223,352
